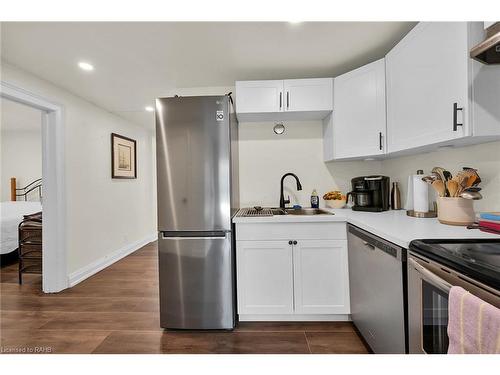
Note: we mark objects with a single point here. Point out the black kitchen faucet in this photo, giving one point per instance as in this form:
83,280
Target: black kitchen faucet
284,201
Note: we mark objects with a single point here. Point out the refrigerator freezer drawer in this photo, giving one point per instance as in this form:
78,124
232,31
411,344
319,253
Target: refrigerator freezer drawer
196,282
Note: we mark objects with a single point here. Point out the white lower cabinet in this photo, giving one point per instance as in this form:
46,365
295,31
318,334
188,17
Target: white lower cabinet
320,277
292,277
264,277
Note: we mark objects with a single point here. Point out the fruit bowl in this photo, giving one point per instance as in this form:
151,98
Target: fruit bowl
335,203
335,199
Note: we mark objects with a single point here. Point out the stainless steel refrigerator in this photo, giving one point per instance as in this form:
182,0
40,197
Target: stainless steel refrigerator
197,177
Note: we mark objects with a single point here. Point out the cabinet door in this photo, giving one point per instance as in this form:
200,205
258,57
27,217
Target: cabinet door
359,116
304,95
328,152
264,277
321,279
259,96
427,72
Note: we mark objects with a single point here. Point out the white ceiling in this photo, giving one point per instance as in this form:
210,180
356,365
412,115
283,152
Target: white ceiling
137,62
19,117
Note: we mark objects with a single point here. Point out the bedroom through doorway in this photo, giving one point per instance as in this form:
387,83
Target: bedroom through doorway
53,190
21,193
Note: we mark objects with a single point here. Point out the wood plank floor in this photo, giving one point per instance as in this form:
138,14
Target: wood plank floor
116,311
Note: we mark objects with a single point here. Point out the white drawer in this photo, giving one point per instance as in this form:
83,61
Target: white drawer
291,231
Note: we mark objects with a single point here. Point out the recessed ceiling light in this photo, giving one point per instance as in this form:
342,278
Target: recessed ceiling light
85,66
149,108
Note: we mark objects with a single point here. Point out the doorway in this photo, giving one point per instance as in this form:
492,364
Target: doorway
54,275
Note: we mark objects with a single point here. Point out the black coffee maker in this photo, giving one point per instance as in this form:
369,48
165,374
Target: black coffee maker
370,193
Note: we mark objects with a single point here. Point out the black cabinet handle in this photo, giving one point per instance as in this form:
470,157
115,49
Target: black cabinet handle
295,242
456,108
380,140
281,94
287,100
290,242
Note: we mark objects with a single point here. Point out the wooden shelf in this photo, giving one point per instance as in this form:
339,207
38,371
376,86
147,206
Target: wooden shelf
30,246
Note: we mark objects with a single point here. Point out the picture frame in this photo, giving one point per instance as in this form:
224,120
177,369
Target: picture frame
123,157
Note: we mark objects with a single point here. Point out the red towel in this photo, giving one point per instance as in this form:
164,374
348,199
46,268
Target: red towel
490,225
473,325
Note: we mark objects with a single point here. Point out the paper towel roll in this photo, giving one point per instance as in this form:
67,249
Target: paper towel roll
409,194
420,194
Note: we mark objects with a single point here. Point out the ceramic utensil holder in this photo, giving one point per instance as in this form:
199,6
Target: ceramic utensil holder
455,211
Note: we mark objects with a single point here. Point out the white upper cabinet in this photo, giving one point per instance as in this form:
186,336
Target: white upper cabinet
259,96
426,77
293,99
314,94
435,95
438,95
358,121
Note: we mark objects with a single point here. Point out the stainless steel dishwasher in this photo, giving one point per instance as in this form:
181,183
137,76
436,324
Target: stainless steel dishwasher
377,281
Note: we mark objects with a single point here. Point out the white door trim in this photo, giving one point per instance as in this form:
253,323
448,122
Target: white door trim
55,275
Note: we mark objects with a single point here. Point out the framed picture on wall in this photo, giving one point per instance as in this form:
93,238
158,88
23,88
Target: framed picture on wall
123,157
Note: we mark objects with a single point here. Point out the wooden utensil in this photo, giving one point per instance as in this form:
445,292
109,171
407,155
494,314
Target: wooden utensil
463,181
458,180
473,172
452,187
471,180
447,175
439,171
438,185
436,175
429,179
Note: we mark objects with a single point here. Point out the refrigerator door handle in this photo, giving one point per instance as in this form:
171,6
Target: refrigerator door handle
193,235
193,238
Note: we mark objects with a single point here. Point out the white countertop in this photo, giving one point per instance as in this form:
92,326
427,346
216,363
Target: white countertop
394,226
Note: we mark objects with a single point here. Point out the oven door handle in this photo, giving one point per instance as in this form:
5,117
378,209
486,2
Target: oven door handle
429,276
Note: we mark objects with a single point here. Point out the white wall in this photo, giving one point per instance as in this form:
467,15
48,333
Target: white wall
484,157
265,157
103,215
21,147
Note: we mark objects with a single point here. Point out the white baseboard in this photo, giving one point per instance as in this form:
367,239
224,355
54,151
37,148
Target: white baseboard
294,318
91,269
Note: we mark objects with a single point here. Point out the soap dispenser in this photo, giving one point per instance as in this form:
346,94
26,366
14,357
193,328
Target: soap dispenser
314,199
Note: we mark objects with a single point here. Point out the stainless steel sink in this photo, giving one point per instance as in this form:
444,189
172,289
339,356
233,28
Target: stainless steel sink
276,211
300,211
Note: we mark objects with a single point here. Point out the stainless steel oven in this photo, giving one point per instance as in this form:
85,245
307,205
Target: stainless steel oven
429,284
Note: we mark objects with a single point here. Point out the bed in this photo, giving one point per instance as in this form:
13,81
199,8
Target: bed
11,214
